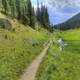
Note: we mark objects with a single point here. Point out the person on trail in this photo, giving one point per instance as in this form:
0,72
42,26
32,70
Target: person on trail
60,44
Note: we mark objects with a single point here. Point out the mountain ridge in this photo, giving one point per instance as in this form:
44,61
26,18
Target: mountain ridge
71,23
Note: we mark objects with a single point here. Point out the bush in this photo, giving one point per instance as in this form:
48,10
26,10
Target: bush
14,30
35,44
6,36
18,26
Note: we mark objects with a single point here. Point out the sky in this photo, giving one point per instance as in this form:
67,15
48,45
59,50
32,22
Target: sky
60,10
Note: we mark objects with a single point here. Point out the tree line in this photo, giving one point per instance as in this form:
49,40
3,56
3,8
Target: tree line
25,13
67,25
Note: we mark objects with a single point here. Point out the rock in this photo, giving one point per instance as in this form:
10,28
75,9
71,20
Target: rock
4,23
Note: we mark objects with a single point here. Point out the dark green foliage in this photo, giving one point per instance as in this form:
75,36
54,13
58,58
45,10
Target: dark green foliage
30,14
13,29
35,44
24,12
6,36
5,6
1,24
18,9
43,17
12,8
67,25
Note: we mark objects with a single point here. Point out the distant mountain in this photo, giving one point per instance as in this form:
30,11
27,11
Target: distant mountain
72,23
75,18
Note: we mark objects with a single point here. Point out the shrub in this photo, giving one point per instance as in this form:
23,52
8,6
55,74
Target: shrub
35,44
6,36
14,30
18,26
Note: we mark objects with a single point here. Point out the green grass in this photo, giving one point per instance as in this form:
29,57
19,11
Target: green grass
62,65
18,48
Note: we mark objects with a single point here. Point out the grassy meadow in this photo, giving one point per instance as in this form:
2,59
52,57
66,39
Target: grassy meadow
62,65
18,47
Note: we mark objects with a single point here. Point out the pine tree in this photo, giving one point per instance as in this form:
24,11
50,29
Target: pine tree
30,13
6,7
38,12
24,15
33,18
43,17
0,4
18,8
12,8
46,18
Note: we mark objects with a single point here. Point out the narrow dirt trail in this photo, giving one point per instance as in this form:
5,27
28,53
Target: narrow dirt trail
30,72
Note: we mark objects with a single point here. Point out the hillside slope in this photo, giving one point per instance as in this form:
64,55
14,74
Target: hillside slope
75,18
18,47
72,23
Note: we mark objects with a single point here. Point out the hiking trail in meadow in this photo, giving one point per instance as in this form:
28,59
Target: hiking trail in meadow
30,72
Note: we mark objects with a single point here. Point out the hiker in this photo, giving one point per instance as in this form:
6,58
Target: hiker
60,44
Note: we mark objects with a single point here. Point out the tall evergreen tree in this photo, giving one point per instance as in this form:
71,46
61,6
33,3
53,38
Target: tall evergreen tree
0,4
38,12
33,18
21,9
30,13
5,4
43,17
12,8
18,8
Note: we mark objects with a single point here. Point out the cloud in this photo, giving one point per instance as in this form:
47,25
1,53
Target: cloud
69,6
60,10
63,3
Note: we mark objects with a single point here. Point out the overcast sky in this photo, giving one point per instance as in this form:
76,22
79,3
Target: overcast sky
60,10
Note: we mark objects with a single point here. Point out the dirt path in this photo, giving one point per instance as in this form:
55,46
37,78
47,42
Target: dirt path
30,72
